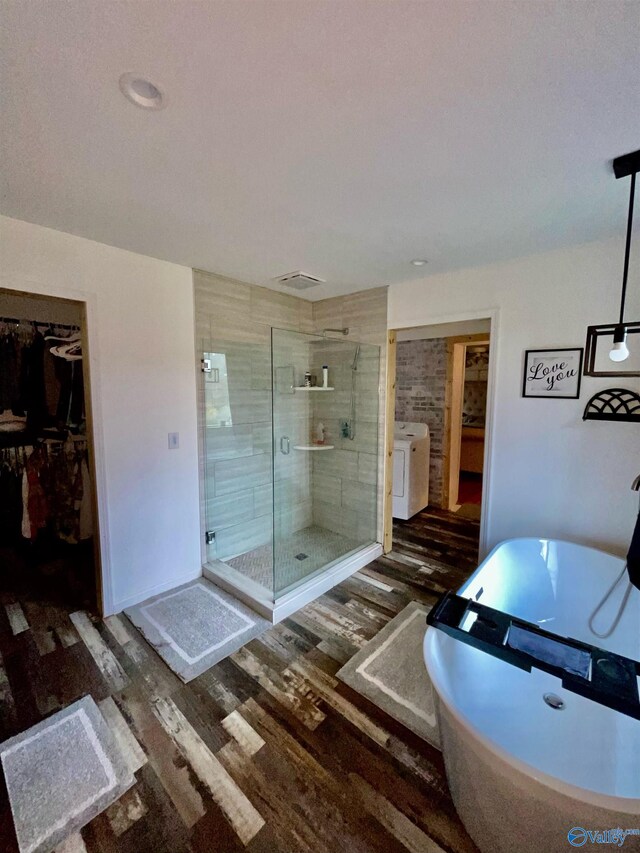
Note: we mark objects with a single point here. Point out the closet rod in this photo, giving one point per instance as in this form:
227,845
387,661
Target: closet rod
38,323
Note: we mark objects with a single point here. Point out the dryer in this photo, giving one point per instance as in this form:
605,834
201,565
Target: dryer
411,449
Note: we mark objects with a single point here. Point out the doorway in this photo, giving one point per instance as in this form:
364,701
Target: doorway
439,381
467,376
49,554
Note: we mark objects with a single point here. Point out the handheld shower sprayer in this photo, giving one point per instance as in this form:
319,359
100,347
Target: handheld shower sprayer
631,567
354,366
351,426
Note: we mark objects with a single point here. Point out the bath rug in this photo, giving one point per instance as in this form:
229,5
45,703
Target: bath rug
60,774
390,671
195,626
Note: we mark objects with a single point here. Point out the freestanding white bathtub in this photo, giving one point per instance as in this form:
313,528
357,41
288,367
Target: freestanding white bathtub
523,774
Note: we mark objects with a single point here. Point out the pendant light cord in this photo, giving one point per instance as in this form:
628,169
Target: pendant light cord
627,250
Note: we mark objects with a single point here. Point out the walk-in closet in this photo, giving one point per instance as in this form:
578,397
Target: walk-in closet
47,528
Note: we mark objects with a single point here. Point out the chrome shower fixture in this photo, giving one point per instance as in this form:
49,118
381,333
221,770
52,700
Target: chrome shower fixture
354,365
351,424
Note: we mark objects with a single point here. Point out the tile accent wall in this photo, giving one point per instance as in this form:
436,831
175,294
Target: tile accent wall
235,318
344,479
350,470
421,373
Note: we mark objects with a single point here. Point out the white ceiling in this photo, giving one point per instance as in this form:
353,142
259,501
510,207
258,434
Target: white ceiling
340,138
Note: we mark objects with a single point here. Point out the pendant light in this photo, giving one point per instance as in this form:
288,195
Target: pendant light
618,333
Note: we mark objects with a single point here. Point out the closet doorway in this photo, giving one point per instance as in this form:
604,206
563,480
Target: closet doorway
49,554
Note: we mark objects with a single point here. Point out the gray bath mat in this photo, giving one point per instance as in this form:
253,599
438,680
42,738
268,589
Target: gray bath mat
60,774
194,626
391,672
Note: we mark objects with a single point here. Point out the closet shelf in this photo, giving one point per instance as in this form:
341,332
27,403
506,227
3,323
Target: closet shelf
314,446
313,388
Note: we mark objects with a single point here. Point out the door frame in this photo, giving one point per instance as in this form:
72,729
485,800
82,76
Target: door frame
87,302
491,314
452,427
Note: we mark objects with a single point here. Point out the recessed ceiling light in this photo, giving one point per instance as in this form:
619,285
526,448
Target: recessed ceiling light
419,262
141,92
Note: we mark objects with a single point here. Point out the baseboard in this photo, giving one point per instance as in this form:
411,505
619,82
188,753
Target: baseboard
119,606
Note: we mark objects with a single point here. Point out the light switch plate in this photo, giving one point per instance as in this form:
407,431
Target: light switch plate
174,440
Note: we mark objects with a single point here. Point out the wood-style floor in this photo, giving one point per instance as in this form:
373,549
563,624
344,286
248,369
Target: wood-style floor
266,752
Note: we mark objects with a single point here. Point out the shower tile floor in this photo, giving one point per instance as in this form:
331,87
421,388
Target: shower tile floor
297,557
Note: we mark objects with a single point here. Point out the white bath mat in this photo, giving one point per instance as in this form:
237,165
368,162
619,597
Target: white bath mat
390,671
60,774
195,626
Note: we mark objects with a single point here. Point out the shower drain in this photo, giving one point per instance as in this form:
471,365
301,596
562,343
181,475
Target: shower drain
554,701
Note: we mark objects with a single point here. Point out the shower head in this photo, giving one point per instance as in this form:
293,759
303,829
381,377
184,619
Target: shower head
344,331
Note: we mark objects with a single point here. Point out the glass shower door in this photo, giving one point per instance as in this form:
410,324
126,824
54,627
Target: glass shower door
237,464
325,462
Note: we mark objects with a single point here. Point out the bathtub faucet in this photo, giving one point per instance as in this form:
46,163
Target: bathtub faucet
635,486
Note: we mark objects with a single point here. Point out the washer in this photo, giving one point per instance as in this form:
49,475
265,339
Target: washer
411,449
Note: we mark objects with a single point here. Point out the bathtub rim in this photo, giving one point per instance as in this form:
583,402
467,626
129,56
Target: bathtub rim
540,539
630,805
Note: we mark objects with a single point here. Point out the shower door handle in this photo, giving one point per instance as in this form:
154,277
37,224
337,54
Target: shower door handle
283,445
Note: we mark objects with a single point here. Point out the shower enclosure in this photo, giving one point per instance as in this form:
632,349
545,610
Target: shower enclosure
290,469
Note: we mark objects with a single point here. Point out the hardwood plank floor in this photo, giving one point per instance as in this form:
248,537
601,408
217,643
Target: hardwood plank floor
267,751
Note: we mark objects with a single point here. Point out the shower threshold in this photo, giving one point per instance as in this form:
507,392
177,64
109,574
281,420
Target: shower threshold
299,590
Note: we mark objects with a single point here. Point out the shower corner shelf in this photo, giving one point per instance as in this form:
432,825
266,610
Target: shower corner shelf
314,446
313,388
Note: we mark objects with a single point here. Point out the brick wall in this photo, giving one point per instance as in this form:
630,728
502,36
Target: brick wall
420,390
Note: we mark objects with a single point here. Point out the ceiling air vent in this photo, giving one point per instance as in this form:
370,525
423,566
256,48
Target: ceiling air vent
299,280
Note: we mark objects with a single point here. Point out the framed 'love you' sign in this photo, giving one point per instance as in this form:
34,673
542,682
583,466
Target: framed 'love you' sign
552,373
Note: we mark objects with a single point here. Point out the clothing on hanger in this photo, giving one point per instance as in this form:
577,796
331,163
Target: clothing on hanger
70,408
9,372
33,387
46,487
10,496
40,379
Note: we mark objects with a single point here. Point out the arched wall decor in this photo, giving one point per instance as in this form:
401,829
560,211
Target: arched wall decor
613,404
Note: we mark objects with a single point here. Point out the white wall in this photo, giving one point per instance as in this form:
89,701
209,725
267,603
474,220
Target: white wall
140,326
551,474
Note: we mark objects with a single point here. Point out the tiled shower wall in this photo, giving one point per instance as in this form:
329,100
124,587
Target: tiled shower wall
421,373
291,419
236,461
344,495
344,480
236,318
